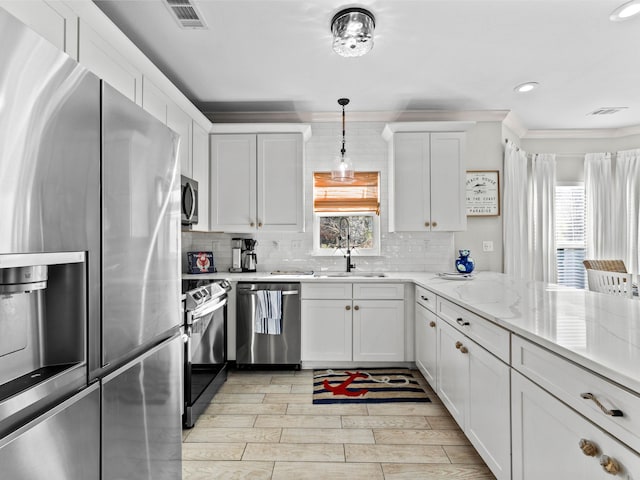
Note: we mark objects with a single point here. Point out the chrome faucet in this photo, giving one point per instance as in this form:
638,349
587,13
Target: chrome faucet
348,255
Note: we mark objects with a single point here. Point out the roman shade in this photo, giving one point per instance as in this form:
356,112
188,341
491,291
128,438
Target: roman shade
361,195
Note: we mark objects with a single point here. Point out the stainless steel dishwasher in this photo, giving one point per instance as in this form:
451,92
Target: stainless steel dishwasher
256,348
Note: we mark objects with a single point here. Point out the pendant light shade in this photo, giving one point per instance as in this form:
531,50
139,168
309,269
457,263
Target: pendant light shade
342,170
352,31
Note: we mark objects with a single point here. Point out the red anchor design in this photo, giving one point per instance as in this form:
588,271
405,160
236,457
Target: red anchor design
342,388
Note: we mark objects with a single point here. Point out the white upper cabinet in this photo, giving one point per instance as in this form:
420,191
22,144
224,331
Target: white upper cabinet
200,160
257,181
280,182
426,176
52,19
98,55
181,123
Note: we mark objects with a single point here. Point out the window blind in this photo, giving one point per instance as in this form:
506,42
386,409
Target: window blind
570,235
361,195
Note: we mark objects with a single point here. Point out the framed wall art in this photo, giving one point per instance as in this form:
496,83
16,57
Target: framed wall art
483,193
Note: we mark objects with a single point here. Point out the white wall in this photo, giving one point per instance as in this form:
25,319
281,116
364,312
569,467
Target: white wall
414,251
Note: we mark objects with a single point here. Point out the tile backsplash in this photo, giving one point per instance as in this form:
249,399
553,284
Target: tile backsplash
415,251
400,252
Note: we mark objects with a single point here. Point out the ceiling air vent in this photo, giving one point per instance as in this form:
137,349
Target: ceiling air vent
607,110
186,14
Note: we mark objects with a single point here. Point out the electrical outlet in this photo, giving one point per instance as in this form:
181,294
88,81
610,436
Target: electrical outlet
487,246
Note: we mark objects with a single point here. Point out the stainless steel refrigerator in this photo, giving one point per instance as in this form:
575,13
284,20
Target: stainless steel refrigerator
89,204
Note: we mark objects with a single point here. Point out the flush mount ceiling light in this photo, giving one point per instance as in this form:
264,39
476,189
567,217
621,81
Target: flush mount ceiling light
526,87
625,11
343,169
352,30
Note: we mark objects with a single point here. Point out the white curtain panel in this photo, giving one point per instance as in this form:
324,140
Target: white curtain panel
543,194
627,207
601,222
516,232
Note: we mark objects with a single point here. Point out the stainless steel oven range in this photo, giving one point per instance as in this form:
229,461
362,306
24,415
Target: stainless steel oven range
205,352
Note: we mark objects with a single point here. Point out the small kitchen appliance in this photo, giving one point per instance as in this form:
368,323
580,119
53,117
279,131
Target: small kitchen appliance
236,255
249,257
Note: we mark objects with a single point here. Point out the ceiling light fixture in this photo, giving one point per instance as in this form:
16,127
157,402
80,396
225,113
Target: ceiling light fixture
343,168
526,87
625,11
352,31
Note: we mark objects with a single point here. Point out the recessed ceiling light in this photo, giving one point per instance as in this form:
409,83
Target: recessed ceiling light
625,11
526,87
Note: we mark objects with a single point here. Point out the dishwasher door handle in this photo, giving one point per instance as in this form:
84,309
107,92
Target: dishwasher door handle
254,292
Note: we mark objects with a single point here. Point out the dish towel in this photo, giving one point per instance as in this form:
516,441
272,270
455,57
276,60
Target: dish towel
268,317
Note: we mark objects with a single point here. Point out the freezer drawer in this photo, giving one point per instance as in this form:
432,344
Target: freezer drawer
63,443
141,421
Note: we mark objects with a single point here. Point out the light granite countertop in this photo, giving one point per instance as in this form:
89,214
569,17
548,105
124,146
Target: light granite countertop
598,331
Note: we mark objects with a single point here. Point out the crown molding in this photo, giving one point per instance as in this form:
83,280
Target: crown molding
379,116
585,133
302,128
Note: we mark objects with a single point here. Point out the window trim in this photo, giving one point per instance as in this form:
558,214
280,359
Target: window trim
339,252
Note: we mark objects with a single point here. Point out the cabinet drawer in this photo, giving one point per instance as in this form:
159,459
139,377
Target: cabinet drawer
378,291
490,336
426,298
569,381
326,291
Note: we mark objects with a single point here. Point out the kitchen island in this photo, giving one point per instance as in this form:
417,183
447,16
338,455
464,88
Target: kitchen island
544,369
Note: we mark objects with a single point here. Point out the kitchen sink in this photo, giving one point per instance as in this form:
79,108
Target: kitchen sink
350,275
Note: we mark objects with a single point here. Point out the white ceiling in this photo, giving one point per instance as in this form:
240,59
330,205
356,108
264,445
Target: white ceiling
455,55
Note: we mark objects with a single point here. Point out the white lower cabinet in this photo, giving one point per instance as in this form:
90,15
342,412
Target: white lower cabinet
326,330
474,386
340,326
378,330
552,441
426,344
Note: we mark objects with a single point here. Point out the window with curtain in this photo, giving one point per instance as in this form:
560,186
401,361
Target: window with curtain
357,201
570,234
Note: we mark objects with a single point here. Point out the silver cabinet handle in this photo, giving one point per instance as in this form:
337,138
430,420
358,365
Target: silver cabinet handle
255,292
611,413
461,322
424,298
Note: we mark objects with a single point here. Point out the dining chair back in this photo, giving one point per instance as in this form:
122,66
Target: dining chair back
607,265
613,283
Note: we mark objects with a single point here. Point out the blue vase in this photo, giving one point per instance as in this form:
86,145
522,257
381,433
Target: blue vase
464,263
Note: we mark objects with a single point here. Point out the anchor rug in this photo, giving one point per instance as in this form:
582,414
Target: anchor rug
366,386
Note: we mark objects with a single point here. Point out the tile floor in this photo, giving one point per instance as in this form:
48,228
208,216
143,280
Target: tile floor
262,425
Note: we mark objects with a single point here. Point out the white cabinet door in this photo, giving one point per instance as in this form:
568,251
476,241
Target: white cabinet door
488,424
200,154
427,182
547,435
448,213
326,330
154,100
51,19
180,122
233,183
280,182
426,344
411,210
378,330
99,56
453,372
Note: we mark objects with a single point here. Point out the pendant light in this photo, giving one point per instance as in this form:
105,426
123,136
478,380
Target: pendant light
343,169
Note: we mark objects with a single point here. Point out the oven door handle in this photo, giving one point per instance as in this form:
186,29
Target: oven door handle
206,309
255,292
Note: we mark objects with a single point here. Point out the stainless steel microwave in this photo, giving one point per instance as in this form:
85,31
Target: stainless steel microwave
189,194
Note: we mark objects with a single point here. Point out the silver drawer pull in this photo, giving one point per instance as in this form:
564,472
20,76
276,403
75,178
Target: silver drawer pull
255,292
611,413
461,322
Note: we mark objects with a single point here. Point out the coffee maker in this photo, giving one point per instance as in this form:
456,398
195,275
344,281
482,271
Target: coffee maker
249,257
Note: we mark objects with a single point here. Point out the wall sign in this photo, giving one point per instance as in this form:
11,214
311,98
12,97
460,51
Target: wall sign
483,193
